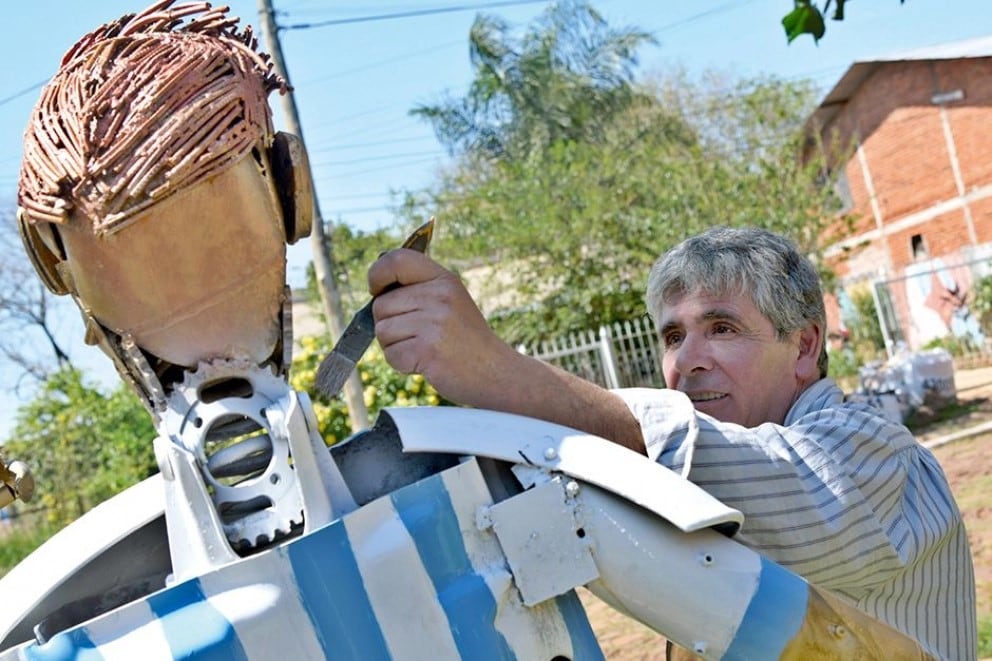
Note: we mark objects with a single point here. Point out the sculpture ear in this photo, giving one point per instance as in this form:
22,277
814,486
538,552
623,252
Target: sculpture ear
291,174
43,247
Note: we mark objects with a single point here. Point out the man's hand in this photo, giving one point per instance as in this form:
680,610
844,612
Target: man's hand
430,325
427,323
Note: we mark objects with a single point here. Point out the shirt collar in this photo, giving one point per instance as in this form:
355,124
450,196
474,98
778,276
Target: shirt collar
818,396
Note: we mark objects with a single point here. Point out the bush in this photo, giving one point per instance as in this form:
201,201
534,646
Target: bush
384,387
21,540
985,637
954,345
83,445
981,303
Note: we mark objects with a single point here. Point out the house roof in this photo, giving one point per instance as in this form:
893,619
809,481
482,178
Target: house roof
861,70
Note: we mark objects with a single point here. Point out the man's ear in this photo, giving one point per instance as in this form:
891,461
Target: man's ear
291,174
807,362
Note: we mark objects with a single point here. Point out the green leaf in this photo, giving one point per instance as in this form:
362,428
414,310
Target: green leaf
804,19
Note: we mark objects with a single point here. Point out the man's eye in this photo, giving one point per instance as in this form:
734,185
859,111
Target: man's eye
722,329
672,339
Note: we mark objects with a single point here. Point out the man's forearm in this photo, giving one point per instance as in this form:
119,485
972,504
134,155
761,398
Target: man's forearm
526,386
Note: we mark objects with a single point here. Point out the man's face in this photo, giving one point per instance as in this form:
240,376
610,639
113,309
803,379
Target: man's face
725,355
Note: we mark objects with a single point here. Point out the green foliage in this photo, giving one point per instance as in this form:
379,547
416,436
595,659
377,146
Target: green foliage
82,445
865,343
574,228
866,330
354,251
384,387
843,365
20,541
565,79
981,303
985,638
953,344
806,17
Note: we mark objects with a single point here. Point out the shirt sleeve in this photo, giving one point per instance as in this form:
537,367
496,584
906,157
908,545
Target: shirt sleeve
841,496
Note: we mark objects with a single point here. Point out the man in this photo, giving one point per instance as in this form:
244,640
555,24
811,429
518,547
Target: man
829,489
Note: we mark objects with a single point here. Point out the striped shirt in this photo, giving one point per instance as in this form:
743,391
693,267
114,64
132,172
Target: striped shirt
841,496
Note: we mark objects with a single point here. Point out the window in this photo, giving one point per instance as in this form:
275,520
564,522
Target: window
918,247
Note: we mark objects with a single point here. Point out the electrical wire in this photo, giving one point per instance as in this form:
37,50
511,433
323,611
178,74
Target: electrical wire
408,14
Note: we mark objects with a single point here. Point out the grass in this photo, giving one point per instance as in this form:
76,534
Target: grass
18,542
985,638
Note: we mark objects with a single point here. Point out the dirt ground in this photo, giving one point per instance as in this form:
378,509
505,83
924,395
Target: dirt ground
967,461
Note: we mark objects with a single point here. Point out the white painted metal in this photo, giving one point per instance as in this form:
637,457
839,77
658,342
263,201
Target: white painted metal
299,480
517,439
694,587
544,543
69,551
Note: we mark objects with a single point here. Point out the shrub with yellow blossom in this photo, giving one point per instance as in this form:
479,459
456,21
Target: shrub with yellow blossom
383,386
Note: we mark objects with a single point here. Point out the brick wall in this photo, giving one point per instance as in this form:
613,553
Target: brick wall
905,153
981,211
905,149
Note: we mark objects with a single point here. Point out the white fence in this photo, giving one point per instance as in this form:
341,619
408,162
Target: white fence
623,355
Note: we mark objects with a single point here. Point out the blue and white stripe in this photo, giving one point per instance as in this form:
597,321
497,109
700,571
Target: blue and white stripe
408,576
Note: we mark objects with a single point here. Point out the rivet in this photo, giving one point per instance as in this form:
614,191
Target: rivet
699,647
550,454
837,630
572,489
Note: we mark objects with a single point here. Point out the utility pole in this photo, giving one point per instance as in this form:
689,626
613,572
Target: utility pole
323,259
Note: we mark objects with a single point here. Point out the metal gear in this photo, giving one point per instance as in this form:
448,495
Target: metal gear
231,416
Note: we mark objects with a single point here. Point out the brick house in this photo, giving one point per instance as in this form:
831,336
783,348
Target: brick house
916,181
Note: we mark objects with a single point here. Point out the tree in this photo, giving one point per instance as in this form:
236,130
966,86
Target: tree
563,80
31,318
382,386
82,445
355,251
579,223
806,17
982,303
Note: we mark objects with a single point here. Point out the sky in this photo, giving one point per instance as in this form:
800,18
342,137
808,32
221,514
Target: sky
359,67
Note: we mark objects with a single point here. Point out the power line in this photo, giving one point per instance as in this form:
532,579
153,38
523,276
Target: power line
329,148
366,159
695,17
408,14
397,166
17,95
372,65
358,196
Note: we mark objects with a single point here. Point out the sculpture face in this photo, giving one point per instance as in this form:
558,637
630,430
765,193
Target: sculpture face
156,191
196,277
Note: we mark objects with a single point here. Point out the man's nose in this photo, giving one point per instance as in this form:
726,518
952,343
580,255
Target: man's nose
693,355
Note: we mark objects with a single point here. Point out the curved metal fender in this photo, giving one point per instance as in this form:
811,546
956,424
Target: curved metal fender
50,567
521,440
718,598
710,594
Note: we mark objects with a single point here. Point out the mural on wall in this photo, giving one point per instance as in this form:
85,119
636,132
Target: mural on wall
935,300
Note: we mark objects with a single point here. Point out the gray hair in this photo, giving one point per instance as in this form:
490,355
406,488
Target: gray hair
767,267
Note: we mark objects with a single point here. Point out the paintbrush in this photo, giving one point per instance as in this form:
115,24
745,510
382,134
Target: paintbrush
336,366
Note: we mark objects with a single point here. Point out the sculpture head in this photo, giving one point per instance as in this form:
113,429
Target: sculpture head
155,190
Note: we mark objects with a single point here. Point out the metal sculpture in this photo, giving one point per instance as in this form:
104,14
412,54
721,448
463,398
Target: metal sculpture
155,192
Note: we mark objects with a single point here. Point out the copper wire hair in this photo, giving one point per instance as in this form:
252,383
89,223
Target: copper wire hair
142,107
